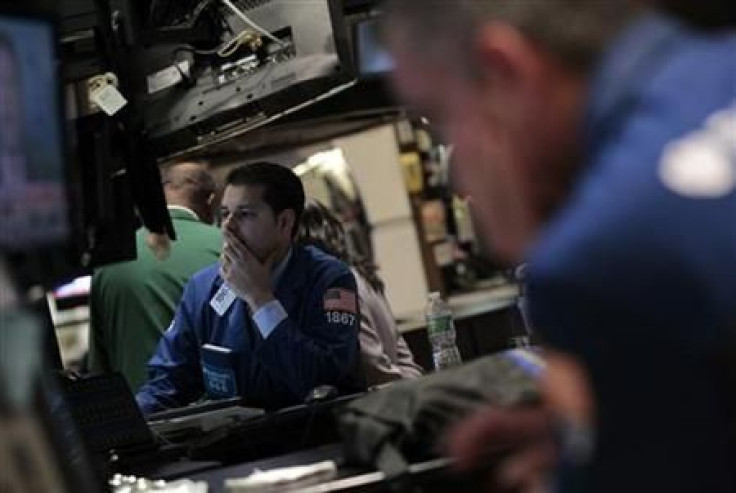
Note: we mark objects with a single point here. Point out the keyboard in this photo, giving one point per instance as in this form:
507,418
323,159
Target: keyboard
106,414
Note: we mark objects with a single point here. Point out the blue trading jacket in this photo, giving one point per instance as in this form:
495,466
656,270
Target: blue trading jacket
636,275
312,346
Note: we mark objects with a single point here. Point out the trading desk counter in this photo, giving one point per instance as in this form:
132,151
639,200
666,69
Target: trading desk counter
432,476
216,478
298,436
272,434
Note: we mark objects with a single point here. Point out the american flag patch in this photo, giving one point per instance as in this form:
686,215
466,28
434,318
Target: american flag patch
339,299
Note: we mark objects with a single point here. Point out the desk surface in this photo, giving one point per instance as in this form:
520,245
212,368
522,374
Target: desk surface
468,305
348,479
216,478
273,434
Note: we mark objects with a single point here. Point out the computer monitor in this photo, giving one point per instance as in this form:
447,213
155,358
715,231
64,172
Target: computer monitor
41,449
372,58
191,97
73,293
33,195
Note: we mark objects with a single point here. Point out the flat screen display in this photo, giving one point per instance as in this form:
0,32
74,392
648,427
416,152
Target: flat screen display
373,59
33,200
73,293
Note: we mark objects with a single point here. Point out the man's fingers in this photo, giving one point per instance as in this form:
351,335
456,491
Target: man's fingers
528,468
234,241
232,262
229,254
159,244
495,430
243,253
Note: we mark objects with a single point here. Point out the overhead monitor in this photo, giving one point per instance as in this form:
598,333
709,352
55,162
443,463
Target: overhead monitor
33,198
371,56
266,59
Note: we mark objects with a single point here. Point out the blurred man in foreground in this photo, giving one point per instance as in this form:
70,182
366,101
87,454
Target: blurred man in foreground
597,142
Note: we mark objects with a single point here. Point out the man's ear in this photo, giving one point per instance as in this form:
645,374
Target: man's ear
285,221
208,211
505,57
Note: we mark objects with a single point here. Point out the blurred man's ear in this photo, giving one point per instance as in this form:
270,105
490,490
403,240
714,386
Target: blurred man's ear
515,74
506,58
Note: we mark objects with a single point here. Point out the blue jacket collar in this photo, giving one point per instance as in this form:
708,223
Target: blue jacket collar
291,277
278,271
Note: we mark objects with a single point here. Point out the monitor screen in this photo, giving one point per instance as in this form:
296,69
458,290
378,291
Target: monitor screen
77,287
372,57
72,294
33,201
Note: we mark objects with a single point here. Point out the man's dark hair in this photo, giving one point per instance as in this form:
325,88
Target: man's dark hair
282,189
707,14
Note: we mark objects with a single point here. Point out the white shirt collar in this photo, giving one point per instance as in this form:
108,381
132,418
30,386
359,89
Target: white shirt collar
185,209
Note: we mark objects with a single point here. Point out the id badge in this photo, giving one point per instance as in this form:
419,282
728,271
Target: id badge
218,372
223,299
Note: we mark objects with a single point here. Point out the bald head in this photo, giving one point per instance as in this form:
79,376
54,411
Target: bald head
190,185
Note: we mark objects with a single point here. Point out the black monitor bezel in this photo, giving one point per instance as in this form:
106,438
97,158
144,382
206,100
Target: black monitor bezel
48,263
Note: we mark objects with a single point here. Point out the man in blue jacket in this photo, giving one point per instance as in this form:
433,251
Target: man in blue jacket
271,321
597,142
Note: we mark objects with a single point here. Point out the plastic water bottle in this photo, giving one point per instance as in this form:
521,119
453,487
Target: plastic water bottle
441,332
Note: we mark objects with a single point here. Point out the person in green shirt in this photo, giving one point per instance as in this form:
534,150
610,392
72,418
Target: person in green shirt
132,303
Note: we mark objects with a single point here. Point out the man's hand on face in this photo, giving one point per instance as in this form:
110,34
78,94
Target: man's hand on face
247,276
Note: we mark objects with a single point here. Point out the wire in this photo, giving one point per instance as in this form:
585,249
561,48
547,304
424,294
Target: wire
252,24
213,51
224,51
232,46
